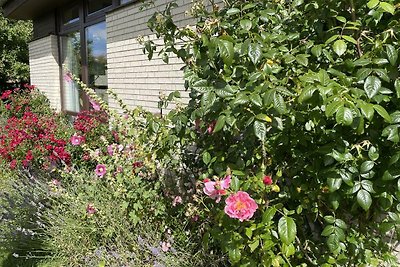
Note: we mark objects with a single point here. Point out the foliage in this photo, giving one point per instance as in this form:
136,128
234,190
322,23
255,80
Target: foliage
14,38
306,92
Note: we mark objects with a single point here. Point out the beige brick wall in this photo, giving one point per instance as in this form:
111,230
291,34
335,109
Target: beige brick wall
44,68
137,80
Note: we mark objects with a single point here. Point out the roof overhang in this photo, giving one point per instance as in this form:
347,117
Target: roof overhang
29,9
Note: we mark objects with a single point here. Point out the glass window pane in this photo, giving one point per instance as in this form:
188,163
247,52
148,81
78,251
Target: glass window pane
71,59
96,5
70,15
96,48
125,1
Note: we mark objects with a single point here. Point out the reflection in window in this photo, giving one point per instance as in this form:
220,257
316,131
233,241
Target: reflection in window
71,61
96,48
125,1
96,5
71,15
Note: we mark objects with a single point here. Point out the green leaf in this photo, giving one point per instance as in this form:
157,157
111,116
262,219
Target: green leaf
260,130
341,19
362,62
201,86
383,113
268,215
302,59
344,116
328,230
397,87
333,107
235,255
334,184
220,123
235,183
366,166
316,50
226,51
392,54
371,86
392,133
279,103
349,39
208,99
232,11
364,199
339,47
387,7
372,3
241,99
367,110
287,230
373,153
263,117
256,99
255,53
306,93
206,157
363,73
254,245
331,39
246,24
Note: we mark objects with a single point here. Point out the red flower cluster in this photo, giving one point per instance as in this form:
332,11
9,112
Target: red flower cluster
28,138
86,121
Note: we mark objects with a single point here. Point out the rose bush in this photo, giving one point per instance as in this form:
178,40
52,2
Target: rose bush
306,92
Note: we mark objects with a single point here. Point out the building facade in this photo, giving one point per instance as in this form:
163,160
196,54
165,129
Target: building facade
97,41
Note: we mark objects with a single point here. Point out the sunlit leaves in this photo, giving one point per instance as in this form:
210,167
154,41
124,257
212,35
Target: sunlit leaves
287,230
371,86
339,47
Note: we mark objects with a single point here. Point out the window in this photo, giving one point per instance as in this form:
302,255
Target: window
83,49
97,5
125,1
70,15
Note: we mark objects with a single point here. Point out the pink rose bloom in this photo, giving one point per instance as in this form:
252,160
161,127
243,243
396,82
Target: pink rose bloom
240,206
216,189
56,182
100,170
76,140
95,105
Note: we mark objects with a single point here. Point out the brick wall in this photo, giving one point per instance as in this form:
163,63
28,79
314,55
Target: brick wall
44,68
137,80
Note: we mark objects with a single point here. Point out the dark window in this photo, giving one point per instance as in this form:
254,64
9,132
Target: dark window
97,5
70,15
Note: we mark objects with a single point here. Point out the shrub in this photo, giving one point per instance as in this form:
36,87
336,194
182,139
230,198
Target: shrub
307,94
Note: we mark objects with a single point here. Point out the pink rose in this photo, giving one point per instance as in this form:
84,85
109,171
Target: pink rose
240,206
100,170
216,189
